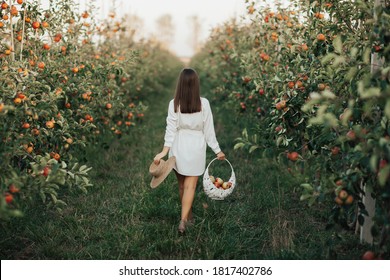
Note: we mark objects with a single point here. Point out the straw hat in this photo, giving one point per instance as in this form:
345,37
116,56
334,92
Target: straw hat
160,171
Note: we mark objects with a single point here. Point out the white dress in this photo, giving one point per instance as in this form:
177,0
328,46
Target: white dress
187,136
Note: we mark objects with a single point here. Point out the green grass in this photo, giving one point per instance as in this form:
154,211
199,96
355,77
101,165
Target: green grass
123,218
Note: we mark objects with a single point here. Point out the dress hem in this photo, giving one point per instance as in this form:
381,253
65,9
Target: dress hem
188,174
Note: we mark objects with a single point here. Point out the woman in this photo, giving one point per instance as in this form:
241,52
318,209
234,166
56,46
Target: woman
189,128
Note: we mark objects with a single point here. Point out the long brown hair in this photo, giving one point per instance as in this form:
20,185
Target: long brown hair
187,94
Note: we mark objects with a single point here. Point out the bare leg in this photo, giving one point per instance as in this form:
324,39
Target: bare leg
180,179
188,196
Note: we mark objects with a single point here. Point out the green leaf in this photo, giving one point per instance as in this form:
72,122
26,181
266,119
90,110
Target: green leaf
387,109
83,189
351,73
239,146
370,93
16,213
61,180
328,94
312,200
384,122
277,79
383,142
60,203
383,175
314,4
82,168
245,134
346,116
338,60
86,181
301,121
75,166
280,140
354,52
366,56
338,45
255,138
42,195
374,163
307,187
329,57
253,148
54,198
305,196
331,120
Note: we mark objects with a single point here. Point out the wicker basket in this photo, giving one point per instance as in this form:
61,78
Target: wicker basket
211,190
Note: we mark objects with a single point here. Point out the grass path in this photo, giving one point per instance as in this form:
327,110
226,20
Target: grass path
123,218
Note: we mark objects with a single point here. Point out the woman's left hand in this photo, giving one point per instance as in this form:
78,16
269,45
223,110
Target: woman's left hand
221,156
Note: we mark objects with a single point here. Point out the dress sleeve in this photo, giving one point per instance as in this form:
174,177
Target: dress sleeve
171,128
208,128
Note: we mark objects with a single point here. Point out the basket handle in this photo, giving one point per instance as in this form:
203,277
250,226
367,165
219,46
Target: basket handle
216,159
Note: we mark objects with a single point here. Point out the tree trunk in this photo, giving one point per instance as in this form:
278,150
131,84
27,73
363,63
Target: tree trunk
368,201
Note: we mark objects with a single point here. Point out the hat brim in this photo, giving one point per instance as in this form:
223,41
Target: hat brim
157,180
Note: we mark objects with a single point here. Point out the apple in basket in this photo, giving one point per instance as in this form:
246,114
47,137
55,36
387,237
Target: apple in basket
226,185
212,179
219,182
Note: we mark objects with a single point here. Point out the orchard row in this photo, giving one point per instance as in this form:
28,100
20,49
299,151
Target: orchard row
67,82
314,80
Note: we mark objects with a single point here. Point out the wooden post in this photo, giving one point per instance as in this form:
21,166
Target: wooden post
23,30
365,229
368,201
12,34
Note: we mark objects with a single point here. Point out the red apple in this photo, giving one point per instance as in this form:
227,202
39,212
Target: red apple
9,198
219,181
382,163
261,91
349,200
369,255
13,189
246,79
351,135
36,25
46,171
335,150
293,156
338,201
343,195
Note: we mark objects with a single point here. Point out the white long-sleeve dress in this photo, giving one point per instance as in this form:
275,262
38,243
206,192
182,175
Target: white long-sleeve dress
188,135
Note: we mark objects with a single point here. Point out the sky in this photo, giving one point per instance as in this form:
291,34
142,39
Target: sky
210,12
